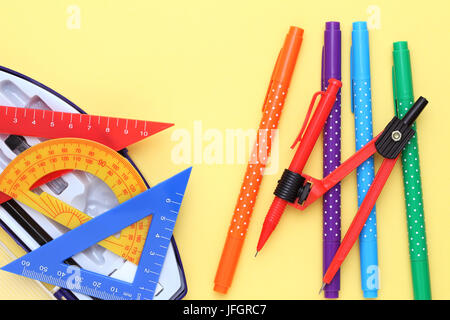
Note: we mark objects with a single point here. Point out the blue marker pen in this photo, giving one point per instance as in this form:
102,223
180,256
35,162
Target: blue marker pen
362,108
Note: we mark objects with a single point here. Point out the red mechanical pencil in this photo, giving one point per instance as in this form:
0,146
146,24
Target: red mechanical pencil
307,142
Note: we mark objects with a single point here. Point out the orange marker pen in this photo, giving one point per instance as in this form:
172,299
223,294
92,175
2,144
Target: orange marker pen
272,107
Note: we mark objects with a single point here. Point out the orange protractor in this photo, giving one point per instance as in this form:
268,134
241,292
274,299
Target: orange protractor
55,155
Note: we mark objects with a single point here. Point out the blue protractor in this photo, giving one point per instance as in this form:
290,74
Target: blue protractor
162,202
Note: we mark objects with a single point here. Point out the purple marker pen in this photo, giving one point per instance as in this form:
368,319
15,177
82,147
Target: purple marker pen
331,68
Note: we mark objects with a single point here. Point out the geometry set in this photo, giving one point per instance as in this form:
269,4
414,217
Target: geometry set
113,232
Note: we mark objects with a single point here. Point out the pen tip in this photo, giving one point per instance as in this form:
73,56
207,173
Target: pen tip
321,288
256,253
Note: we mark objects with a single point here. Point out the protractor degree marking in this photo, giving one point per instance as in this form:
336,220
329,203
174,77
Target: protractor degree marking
59,157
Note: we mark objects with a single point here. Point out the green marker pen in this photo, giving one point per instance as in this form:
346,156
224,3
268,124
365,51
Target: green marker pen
403,101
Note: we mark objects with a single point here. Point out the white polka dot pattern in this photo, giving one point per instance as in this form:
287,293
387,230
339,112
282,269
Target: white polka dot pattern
259,157
413,192
365,173
363,134
331,201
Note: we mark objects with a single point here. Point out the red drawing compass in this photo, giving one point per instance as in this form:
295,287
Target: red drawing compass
300,190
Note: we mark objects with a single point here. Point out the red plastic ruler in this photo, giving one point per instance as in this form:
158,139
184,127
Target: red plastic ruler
116,133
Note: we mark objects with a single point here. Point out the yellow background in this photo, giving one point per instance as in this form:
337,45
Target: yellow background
182,61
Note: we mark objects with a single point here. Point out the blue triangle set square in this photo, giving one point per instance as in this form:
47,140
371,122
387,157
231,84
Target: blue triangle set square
162,202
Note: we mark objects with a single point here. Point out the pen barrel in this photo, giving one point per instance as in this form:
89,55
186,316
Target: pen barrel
228,262
315,126
370,282
361,96
362,107
331,160
404,100
331,200
415,215
259,158
414,111
329,250
272,107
